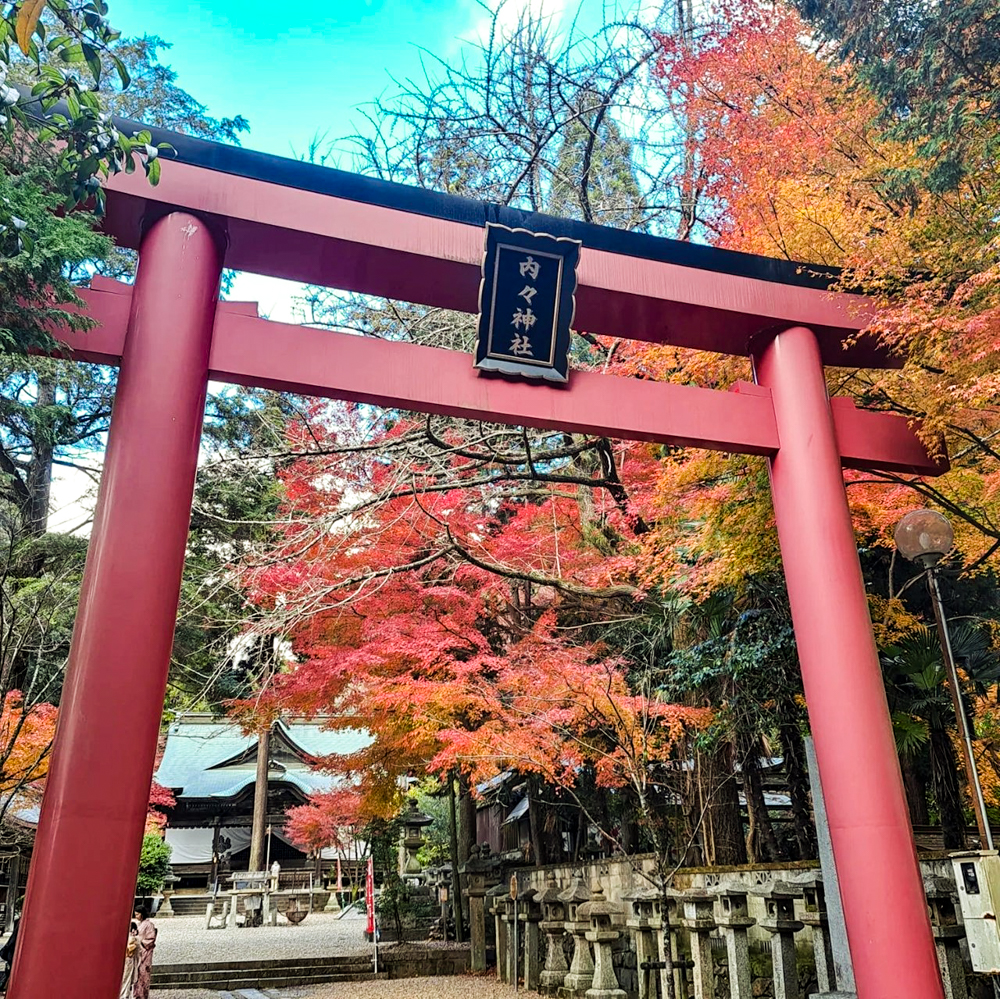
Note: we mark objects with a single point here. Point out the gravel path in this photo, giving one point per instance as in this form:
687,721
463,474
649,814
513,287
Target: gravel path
459,987
184,940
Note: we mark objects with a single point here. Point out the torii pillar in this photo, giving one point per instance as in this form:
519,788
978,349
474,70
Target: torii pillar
880,884
109,716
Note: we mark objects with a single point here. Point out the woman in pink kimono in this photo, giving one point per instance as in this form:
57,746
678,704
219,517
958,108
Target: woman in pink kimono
131,971
147,941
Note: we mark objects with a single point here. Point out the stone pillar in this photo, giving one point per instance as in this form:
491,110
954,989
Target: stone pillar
948,931
734,920
581,969
529,915
553,925
698,908
782,925
496,897
645,943
510,907
475,875
841,970
600,914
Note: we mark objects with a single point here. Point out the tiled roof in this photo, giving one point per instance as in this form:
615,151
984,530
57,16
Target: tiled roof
212,758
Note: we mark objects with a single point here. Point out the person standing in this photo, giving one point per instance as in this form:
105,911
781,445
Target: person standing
7,955
146,936
130,974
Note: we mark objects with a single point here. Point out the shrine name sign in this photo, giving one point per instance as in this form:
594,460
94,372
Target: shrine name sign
526,303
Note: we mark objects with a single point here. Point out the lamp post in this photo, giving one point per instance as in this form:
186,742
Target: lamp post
925,537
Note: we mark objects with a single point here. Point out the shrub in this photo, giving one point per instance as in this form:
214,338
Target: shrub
154,865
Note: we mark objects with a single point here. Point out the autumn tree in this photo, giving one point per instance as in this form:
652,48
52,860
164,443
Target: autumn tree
857,141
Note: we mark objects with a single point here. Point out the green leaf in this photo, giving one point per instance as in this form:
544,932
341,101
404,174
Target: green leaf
153,172
123,73
93,61
72,53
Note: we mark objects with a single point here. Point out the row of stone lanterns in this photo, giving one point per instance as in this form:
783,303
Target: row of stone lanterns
583,914
579,923
592,924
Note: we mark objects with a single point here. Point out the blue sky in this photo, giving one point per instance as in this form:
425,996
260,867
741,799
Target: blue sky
296,69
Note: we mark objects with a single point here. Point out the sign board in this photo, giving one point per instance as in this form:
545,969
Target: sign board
526,303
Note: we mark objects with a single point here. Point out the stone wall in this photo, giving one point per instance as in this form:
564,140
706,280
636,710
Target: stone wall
423,961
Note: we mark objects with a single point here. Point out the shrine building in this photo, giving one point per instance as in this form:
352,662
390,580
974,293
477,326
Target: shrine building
210,765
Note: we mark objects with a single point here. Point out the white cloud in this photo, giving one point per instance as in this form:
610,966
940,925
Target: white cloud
74,493
72,498
511,12
275,297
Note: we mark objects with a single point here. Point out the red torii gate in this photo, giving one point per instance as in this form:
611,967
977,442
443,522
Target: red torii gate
222,206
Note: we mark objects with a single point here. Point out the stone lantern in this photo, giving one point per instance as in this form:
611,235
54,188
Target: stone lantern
553,925
815,916
581,968
413,838
734,920
698,918
782,925
642,926
600,913
948,933
165,910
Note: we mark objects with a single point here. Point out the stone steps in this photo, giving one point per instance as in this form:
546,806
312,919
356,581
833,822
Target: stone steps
260,974
256,983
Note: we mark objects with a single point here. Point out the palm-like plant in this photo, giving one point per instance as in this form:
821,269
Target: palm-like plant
923,715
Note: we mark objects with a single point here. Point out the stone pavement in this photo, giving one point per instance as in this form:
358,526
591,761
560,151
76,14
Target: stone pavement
460,987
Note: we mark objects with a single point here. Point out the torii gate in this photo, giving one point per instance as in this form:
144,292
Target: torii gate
222,206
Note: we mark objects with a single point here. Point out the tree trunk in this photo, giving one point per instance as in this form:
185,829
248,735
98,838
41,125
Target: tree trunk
916,797
260,802
466,819
456,876
628,838
536,822
798,790
40,473
725,843
947,792
693,830
762,844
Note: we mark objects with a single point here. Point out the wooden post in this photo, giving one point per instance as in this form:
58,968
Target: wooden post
260,802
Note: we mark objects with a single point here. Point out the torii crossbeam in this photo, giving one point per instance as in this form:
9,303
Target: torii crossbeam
219,206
